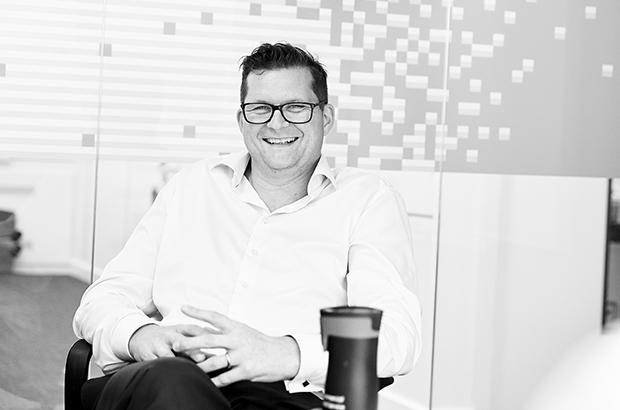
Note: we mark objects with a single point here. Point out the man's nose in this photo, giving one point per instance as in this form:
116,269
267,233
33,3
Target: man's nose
277,121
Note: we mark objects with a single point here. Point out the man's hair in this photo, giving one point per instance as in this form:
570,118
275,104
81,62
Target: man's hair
279,56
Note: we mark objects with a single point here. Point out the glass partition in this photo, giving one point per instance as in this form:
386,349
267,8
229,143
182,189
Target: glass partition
49,99
532,140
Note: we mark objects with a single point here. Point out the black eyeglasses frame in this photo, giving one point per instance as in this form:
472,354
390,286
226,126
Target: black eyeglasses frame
275,108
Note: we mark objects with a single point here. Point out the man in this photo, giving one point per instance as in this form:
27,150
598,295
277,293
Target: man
214,301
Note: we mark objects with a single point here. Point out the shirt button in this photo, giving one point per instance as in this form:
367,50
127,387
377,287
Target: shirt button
254,252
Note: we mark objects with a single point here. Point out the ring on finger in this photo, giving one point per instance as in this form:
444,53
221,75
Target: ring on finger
228,360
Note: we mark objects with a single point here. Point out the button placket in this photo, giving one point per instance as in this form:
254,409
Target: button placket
250,262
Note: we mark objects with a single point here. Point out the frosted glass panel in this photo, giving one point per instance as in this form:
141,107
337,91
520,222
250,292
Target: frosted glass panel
49,98
534,88
532,138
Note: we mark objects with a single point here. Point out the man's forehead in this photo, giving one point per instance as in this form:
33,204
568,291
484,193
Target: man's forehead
280,71
295,81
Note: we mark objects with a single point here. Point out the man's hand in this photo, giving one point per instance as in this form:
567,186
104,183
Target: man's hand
253,355
152,341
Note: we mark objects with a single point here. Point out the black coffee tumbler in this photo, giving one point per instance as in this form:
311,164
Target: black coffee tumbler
351,335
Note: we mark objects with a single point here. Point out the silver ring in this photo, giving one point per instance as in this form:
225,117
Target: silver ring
228,359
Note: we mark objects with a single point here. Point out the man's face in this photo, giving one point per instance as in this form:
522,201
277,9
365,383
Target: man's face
279,146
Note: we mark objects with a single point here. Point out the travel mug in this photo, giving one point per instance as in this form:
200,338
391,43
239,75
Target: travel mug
351,335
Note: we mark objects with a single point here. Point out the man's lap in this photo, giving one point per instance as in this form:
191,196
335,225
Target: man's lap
173,378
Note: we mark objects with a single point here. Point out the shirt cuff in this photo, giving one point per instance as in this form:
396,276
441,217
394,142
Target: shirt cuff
124,329
312,367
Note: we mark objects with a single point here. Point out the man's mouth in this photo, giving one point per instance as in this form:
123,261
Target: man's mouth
280,141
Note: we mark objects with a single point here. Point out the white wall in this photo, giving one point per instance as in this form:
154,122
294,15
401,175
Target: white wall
421,193
520,279
125,193
52,202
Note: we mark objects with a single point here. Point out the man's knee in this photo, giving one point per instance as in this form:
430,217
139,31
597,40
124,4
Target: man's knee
172,376
160,384
169,370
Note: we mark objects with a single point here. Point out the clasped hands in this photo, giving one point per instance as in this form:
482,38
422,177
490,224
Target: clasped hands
253,355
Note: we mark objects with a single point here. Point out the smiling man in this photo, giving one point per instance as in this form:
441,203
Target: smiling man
214,302
283,135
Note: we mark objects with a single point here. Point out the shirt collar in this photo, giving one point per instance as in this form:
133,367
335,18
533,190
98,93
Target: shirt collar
321,172
238,162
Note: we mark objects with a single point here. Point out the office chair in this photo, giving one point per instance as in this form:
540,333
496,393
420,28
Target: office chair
78,364
76,373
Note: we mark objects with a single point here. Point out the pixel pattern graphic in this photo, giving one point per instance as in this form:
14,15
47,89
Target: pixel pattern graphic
508,62
415,82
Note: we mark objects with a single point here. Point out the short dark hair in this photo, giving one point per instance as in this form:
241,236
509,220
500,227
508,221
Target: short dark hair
283,55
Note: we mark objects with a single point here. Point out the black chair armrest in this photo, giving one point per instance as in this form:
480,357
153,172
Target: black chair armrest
76,373
385,382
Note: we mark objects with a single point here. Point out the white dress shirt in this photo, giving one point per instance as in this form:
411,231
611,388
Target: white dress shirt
210,241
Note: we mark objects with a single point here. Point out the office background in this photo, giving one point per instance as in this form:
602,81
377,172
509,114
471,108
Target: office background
495,119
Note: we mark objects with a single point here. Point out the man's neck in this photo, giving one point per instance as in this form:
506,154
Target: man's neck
278,189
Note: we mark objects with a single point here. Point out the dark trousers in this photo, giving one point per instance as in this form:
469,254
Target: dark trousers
177,383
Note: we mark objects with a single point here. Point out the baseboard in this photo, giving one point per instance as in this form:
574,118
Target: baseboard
390,400
399,402
51,269
453,408
82,270
75,268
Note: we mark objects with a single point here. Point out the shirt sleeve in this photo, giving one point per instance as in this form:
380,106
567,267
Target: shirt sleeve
121,300
382,275
313,365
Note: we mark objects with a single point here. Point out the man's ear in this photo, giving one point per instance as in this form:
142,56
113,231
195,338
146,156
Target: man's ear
240,120
329,118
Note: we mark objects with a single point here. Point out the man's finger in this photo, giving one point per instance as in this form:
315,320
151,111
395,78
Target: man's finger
184,344
146,357
224,379
191,330
214,364
197,356
163,351
216,319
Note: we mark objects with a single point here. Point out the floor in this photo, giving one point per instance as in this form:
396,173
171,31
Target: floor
35,335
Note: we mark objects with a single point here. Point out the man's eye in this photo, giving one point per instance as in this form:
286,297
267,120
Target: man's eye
296,107
258,109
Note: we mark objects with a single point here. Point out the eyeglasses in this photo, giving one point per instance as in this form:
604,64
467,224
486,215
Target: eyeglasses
293,112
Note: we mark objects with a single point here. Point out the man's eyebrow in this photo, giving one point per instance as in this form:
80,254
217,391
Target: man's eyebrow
284,102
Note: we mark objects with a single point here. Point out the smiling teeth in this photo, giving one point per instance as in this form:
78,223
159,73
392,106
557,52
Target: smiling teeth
280,141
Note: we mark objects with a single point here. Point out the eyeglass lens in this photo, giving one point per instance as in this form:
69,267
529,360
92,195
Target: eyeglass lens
296,113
